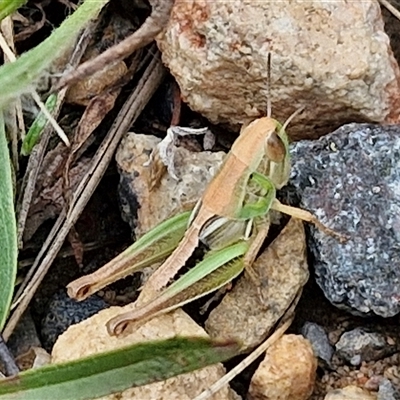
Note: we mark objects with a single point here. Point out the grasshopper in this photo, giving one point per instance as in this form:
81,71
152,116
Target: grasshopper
231,216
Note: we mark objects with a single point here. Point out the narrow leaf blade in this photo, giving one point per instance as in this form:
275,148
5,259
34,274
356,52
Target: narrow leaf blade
118,370
8,230
19,77
38,126
7,7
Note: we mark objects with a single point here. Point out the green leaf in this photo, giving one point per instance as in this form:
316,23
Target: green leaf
116,371
8,230
20,76
38,126
7,7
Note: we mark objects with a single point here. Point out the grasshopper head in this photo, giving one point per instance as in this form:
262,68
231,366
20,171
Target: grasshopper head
274,147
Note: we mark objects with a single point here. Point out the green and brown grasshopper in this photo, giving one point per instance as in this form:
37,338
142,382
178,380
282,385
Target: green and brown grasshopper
232,218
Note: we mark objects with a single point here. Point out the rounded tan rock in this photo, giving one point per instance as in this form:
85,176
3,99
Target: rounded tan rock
286,272
287,372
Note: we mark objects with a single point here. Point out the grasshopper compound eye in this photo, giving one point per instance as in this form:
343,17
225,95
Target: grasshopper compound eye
274,147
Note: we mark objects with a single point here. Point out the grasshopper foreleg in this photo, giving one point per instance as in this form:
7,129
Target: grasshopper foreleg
262,206
251,255
258,211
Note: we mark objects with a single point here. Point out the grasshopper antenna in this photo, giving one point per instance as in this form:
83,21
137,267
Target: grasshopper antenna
290,119
269,105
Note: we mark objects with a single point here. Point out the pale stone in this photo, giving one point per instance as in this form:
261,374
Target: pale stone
91,337
333,57
171,196
282,273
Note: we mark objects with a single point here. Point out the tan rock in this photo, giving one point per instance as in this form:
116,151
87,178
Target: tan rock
350,393
91,337
195,170
334,58
283,267
287,372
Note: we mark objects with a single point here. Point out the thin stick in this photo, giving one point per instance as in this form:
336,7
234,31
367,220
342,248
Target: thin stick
11,56
38,152
283,325
213,389
391,8
60,131
7,32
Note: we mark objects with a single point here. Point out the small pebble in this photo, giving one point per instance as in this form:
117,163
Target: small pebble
350,393
319,341
359,345
387,391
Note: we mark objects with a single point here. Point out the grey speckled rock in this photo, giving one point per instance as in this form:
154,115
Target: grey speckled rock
359,345
351,180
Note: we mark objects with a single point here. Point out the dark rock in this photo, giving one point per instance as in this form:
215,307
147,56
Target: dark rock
62,312
350,179
359,345
24,336
319,341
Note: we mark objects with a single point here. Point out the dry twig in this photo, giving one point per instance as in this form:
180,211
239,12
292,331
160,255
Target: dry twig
391,8
38,152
